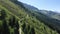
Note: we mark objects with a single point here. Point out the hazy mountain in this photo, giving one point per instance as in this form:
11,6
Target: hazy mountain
30,7
51,14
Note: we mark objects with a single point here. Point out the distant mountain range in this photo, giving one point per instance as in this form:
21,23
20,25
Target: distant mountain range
51,14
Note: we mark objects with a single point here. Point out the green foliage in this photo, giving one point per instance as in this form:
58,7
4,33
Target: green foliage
2,14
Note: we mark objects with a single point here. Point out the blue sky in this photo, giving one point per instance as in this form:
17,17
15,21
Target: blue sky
53,5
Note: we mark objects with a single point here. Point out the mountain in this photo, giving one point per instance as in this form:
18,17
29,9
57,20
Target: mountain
51,14
30,7
52,19
16,19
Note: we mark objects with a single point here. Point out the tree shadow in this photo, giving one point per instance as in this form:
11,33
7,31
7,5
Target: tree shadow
27,29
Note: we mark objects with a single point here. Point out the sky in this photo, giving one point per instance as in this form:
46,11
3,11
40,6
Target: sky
53,5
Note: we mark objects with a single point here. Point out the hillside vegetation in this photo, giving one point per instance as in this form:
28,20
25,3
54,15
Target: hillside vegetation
14,17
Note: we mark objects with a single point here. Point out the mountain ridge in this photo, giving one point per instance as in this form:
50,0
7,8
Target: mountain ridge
51,14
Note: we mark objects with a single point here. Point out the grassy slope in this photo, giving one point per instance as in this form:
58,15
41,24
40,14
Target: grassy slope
19,12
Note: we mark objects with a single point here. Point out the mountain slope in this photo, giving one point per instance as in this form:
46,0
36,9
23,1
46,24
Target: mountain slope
50,18
14,17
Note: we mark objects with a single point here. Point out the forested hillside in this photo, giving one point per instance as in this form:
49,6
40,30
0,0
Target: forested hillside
16,19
